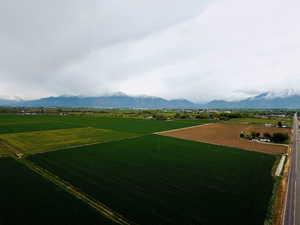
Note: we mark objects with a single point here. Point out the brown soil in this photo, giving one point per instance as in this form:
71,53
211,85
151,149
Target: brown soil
229,135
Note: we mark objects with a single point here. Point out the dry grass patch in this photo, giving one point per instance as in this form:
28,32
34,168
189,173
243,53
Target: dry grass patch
41,141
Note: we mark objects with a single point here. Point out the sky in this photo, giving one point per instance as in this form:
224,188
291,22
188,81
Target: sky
195,49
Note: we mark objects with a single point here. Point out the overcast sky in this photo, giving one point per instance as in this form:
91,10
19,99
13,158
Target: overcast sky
195,49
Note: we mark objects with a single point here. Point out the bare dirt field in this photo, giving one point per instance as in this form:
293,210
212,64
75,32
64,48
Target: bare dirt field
228,135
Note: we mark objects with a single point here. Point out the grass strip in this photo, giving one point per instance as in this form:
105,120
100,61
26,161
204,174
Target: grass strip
271,209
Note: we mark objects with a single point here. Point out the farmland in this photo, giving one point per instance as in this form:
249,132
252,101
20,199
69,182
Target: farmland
140,126
27,198
2,152
259,121
40,141
161,180
229,135
13,123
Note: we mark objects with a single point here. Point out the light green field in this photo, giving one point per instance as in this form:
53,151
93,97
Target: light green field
42,141
258,121
2,152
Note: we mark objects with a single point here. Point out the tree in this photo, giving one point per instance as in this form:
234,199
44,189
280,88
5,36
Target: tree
267,135
257,134
279,124
177,115
242,135
280,137
253,134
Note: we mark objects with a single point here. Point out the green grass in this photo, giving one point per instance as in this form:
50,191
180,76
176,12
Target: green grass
259,121
141,126
13,123
27,198
3,152
34,126
161,180
40,141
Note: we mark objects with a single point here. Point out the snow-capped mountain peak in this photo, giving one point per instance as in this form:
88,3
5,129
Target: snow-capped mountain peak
281,93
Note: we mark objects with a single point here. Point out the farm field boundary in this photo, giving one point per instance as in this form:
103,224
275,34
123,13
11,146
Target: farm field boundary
178,129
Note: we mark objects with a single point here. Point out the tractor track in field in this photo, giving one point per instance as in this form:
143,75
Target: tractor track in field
100,207
10,149
97,205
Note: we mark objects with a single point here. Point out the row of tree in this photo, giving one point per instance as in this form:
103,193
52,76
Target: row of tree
276,137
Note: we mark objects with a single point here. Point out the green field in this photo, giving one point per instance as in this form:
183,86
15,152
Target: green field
259,121
3,152
13,123
141,126
34,126
41,141
156,180
26,198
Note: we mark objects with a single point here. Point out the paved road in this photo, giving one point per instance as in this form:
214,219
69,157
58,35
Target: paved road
292,207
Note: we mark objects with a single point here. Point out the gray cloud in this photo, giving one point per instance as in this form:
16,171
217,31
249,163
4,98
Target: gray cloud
193,49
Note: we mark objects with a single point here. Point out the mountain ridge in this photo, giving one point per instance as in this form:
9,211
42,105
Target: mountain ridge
264,100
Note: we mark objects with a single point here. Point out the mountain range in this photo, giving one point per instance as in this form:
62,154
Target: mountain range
266,100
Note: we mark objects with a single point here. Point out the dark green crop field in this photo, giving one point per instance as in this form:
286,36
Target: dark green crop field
155,180
141,126
26,198
13,123
34,126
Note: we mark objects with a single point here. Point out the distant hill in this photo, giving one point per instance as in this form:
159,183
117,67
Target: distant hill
7,102
267,100
113,101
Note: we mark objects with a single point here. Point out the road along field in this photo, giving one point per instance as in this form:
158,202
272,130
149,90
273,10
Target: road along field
228,135
41,141
161,180
27,198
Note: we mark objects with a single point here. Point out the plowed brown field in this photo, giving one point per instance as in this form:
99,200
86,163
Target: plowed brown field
228,135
